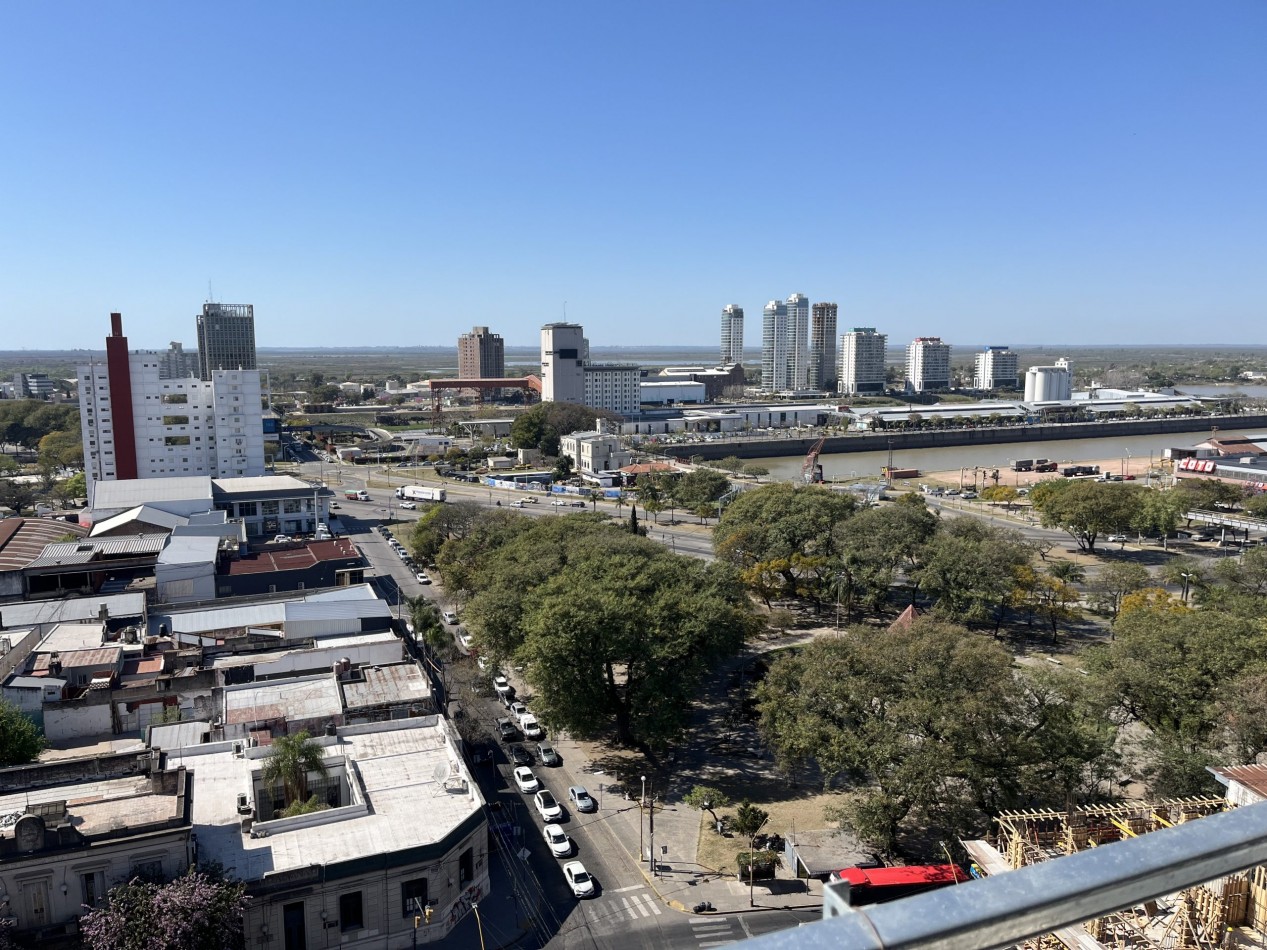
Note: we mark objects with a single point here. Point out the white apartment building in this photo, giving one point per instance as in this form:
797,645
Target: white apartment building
731,334
862,352
613,386
798,341
137,424
927,364
996,369
774,348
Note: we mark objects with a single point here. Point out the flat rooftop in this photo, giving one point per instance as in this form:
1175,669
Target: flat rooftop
405,768
296,700
96,807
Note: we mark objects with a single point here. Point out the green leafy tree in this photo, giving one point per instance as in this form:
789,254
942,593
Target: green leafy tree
16,495
540,426
1158,513
20,739
700,489
1256,506
1087,509
1004,495
706,798
290,760
62,448
564,468
613,631
971,567
1166,668
877,546
72,489
1202,494
932,721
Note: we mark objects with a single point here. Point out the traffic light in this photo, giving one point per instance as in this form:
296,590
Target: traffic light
427,911
417,921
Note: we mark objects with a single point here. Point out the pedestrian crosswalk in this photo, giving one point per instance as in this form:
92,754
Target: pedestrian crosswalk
638,905
713,932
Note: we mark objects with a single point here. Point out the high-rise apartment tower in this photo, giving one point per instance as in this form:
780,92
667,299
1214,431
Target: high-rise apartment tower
927,364
481,355
996,369
798,341
822,347
862,361
731,334
226,338
774,348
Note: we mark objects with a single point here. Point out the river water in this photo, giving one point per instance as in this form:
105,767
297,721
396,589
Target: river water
859,464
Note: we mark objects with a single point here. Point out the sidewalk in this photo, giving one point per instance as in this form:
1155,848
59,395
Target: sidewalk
678,881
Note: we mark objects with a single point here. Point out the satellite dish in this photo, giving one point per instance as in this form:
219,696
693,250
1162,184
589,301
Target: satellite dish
440,772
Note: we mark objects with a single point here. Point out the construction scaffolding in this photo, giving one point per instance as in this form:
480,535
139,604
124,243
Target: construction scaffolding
1228,912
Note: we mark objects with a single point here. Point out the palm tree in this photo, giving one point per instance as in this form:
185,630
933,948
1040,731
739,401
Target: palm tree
290,760
1067,572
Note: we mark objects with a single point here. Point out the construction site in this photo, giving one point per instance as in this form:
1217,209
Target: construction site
1229,912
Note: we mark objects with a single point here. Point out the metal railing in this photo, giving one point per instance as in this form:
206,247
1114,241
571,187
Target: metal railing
1002,910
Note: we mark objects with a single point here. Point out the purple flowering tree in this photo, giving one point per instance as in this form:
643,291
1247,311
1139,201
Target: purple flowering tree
197,911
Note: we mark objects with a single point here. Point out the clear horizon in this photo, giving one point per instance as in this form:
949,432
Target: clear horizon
392,175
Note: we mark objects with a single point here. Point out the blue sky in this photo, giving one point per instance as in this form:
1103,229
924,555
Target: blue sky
393,173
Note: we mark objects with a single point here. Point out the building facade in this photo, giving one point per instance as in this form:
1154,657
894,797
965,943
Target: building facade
564,353
927,364
226,338
862,366
798,341
774,348
481,355
33,386
615,387
136,424
822,347
176,363
996,369
731,334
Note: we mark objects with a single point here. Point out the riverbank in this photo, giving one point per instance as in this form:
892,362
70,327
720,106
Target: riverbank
901,440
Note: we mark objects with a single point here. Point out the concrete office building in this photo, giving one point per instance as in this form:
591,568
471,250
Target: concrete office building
927,364
226,338
33,386
567,375
774,348
1049,383
176,363
862,368
798,341
564,353
731,334
481,355
822,347
136,424
996,369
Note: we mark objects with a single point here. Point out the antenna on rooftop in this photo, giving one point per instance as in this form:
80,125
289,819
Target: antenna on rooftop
211,298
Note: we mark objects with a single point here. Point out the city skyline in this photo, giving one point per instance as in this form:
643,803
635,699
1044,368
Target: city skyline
988,173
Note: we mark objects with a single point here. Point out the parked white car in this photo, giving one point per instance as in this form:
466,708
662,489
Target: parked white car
526,781
560,844
547,807
449,616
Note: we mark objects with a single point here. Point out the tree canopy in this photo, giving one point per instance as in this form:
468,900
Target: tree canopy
1087,509
290,760
20,739
612,630
540,426
931,721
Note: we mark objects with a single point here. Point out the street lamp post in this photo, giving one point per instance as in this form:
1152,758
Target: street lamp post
642,802
752,868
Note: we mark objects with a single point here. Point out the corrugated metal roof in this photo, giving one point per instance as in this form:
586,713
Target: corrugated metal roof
383,685
1253,777
28,613
23,540
328,603
189,549
87,549
145,514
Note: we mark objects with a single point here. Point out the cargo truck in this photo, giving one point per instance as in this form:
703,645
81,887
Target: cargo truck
353,494
420,493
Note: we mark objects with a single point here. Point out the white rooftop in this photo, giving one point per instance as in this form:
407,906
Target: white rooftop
190,549
299,699
72,636
255,484
416,790
144,514
130,492
350,603
30,612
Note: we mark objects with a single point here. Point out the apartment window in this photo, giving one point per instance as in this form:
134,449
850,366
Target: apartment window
466,866
413,896
351,912
94,887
